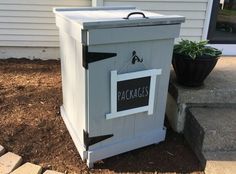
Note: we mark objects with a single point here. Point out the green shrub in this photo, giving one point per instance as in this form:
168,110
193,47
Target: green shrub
194,49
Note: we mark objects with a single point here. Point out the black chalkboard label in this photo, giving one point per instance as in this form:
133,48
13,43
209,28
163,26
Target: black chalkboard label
133,93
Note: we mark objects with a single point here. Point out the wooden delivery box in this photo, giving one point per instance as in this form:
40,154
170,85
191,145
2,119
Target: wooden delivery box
115,64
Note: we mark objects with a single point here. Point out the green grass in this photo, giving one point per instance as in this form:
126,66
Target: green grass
226,12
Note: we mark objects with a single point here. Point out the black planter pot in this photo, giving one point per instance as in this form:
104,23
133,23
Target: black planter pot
191,72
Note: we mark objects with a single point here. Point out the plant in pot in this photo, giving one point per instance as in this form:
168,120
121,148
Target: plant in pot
193,62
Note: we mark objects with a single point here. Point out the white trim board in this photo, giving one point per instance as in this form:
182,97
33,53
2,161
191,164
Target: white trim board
128,76
207,20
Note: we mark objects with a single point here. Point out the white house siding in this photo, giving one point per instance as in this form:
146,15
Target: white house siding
193,10
31,23
27,27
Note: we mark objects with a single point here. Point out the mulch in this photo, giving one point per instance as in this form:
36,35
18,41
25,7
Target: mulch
31,126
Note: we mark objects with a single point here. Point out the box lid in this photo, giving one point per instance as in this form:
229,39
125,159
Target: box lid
115,17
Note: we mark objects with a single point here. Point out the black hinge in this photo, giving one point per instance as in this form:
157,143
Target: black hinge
89,57
88,141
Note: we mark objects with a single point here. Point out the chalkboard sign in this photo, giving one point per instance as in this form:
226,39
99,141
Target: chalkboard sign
133,93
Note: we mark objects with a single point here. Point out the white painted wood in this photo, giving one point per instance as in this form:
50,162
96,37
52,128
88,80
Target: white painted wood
134,75
138,74
127,112
31,23
138,141
86,92
114,18
152,91
113,93
125,128
79,145
128,34
73,75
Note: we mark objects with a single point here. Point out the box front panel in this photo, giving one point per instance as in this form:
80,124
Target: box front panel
155,55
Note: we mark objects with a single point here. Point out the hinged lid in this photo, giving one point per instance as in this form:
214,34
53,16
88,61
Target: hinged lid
115,17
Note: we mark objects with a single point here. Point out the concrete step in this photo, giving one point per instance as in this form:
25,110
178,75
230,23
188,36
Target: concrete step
219,88
2,150
211,132
220,162
28,168
51,172
9,162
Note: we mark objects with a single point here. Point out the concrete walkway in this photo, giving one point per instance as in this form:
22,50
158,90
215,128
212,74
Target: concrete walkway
207,117
11,163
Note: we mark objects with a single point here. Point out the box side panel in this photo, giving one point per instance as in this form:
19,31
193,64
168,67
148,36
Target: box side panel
73,87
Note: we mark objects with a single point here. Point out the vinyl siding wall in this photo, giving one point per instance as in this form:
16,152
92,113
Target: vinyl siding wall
31,22
193,10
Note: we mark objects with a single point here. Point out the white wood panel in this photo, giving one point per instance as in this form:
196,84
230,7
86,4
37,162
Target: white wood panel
128,34
31,22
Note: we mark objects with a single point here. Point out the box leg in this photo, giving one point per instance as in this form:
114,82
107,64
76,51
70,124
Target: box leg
89,164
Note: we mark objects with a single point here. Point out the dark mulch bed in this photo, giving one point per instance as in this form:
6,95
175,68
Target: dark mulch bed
31,126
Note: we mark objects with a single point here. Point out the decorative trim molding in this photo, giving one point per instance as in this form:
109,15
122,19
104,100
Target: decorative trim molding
128,76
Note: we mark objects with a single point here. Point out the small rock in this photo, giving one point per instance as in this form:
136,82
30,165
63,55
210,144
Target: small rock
2,150
51,172
9,162
28,168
